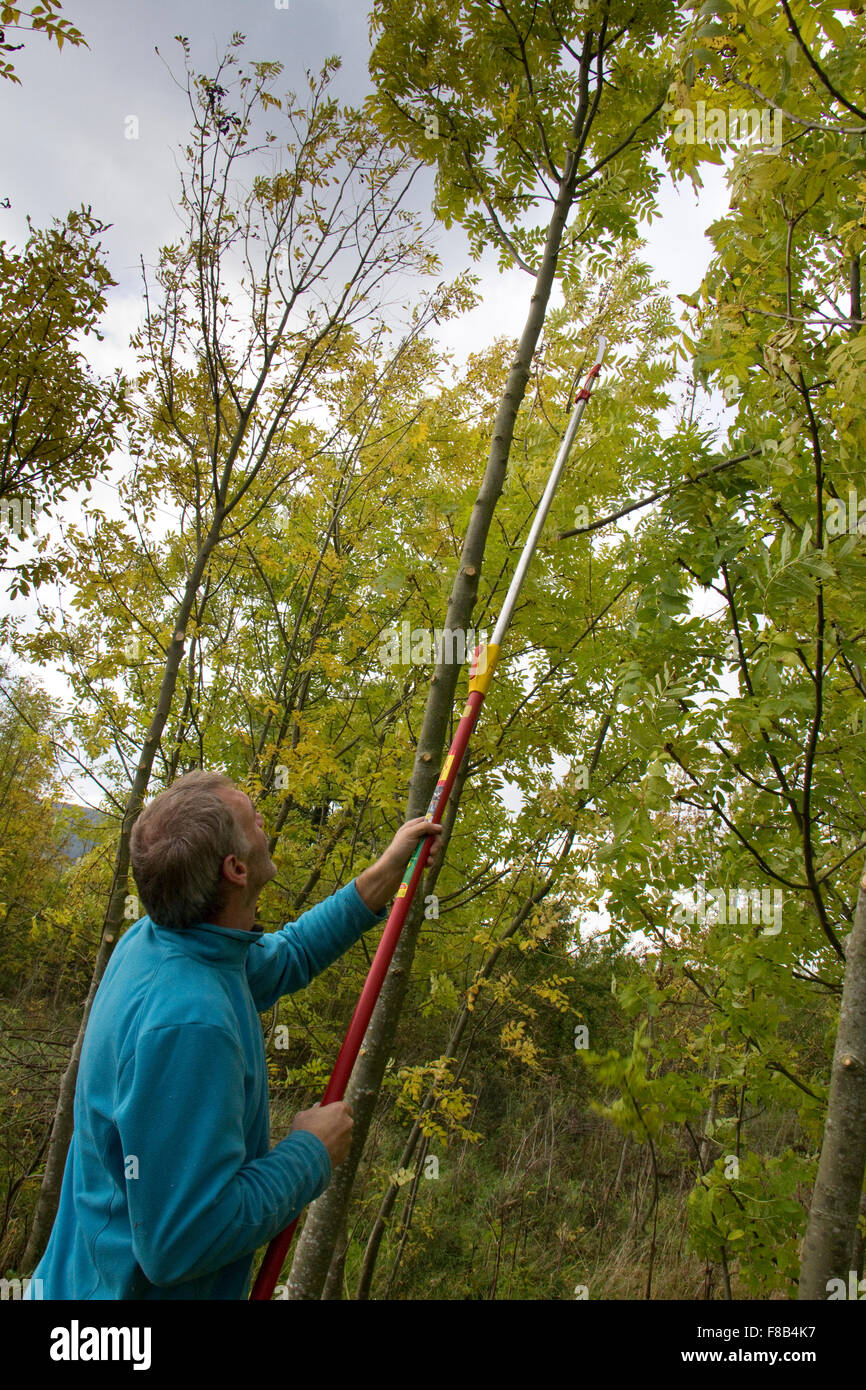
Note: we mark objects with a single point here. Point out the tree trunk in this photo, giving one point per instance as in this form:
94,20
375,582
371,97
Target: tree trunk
860,1241
313,1251
333,1289
831,1233
705,1152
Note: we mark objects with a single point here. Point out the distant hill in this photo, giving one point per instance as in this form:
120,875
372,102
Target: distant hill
76,842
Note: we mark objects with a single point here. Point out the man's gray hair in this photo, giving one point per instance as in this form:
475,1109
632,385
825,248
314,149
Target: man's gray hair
177,847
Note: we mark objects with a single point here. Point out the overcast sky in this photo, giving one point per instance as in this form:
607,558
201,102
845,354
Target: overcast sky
64,143
65,140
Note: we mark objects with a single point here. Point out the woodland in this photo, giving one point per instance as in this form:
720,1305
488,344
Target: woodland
621,1051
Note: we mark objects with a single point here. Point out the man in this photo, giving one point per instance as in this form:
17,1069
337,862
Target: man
170,1184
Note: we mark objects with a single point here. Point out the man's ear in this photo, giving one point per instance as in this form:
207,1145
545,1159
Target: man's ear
234,871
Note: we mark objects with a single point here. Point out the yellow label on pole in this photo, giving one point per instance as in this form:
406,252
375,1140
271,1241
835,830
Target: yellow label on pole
446,767
467,709
401,891
481,674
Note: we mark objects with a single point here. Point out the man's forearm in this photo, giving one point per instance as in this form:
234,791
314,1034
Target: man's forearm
378,884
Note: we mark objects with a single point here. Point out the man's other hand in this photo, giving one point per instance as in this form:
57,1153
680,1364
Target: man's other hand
332,1124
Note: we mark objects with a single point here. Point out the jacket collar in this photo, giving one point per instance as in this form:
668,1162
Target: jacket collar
218,945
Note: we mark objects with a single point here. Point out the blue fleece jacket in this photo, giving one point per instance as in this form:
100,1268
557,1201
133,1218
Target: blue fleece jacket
170,1184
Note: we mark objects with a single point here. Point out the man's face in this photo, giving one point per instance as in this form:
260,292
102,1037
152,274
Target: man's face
260,867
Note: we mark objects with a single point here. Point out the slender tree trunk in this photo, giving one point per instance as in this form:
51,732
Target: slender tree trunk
705,1150
336,1274
860,1241
61,1131
829,1249
313,1252
408,1212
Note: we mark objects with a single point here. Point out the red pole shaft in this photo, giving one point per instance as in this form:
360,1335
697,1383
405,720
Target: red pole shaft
272,1263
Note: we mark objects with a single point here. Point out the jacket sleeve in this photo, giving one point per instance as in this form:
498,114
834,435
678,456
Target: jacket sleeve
196,1203
283,961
